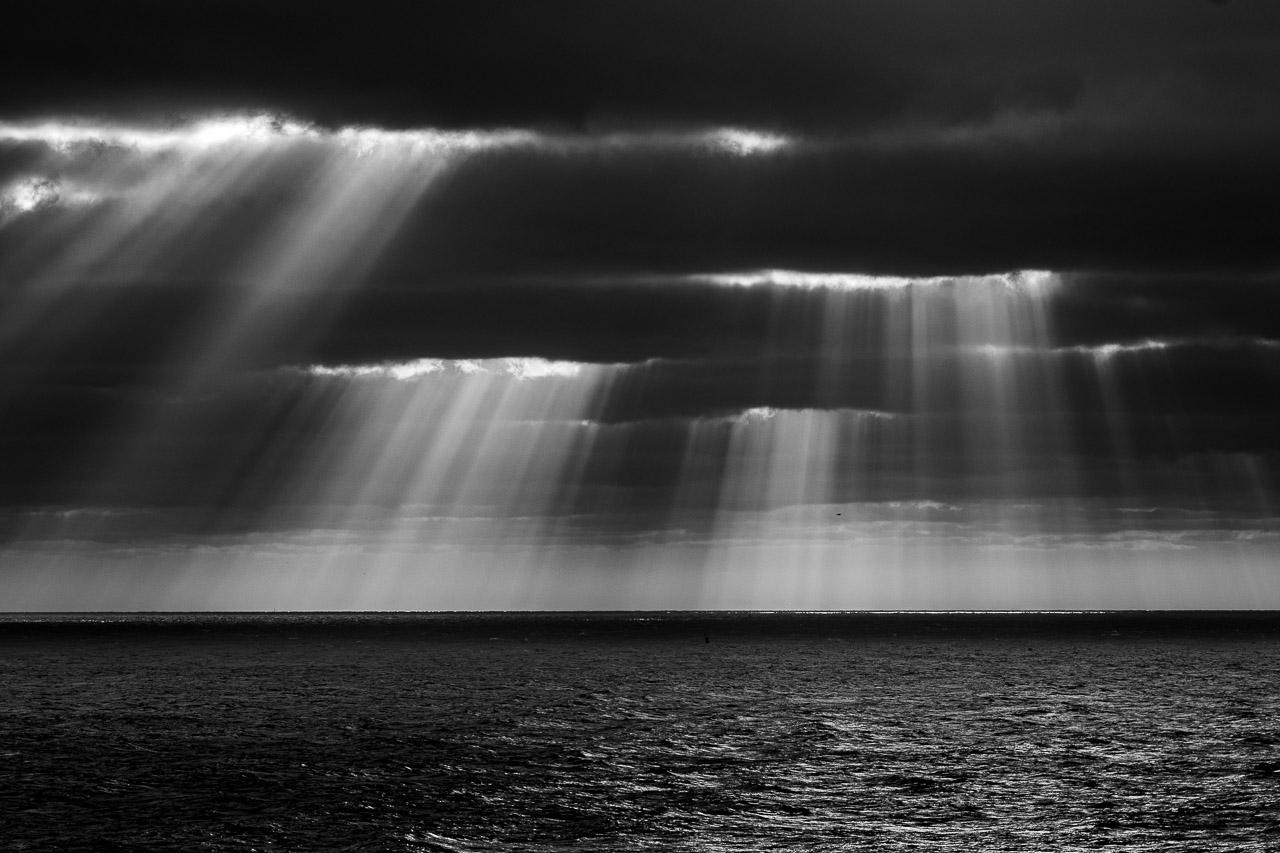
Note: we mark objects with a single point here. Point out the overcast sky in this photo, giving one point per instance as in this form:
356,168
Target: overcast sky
794,304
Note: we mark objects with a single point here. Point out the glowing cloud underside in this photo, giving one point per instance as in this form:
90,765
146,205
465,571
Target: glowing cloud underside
1033,281
518,368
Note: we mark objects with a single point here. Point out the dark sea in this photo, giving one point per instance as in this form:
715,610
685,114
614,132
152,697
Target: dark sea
601,732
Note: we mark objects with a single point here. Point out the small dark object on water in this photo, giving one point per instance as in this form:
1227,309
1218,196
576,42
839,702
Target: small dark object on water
706,638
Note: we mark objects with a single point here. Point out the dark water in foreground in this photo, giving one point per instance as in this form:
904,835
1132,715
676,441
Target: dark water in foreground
618,732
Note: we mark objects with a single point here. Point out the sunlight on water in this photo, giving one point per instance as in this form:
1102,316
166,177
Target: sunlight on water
704,733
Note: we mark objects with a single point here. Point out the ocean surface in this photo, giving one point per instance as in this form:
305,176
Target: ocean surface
600,732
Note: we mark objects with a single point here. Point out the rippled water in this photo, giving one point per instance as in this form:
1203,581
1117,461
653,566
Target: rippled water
613,733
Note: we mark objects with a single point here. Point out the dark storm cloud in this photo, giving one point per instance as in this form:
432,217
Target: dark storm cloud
135,332
926,207
930,138
813,65
1133,146
898,209
1185,372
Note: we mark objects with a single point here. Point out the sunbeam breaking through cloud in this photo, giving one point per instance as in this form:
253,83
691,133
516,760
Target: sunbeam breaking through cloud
281,365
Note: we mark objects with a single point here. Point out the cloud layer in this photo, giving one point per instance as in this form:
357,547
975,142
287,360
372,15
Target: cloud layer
708,288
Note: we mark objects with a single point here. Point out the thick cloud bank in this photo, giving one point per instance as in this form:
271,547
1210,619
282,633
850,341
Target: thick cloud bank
819,305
